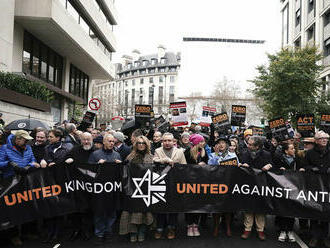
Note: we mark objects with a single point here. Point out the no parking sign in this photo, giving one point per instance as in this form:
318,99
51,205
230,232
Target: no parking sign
94,104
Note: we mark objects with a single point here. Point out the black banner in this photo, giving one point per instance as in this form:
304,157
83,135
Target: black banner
221,122
64,189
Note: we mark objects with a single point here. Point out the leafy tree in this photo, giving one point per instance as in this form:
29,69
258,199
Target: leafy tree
290,84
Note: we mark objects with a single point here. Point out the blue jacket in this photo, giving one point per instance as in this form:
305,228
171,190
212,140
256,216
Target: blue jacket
108,155
215,159
9,153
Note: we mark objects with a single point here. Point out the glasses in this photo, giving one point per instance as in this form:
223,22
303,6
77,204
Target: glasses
141,143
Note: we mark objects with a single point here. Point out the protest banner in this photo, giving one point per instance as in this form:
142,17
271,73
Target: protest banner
179,114
279,129
143,114
221,122
325,123
63,189
257,131
207,113
86,121
306,125
238,115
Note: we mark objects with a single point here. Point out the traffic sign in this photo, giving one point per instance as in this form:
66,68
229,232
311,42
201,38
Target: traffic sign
94,104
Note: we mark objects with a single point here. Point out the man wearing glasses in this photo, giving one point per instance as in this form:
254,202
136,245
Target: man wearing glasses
318,161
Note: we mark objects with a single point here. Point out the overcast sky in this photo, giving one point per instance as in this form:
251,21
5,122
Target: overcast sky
144,24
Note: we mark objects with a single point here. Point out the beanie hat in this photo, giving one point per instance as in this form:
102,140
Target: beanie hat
185,134
248,132
196,139
98,139
119,136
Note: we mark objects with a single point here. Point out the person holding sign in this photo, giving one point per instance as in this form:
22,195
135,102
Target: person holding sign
258,158
221,156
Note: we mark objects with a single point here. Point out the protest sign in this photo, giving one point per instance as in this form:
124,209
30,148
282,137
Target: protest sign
143,114
325,123
221,122
238,115
306,125
207,113
279,129
179,114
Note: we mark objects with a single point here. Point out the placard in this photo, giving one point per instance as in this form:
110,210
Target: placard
143,115
207,113
279,129
229,162
306,125
179,114
221,122
257,131
325,123
238,115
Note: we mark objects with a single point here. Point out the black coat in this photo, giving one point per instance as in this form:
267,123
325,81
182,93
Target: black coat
79,155
56,155
318,160
124,151
39,151
263,157
280,161
190,159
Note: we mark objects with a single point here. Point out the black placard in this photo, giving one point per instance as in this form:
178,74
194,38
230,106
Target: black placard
238,115
279,128
306,125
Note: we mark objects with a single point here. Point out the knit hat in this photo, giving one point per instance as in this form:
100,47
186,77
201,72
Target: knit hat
98,139
248,132
196,139
119,136
185,134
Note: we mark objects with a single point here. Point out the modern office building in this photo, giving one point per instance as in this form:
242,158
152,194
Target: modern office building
307,22
141,79
64,44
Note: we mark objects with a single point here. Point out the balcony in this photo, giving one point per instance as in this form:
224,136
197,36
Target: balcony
326,60
49,21
297,30
112,11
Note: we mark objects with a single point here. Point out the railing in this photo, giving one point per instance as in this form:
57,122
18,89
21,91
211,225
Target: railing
310,16
326,31
297,30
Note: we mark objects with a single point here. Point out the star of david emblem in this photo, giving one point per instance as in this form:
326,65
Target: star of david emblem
155,190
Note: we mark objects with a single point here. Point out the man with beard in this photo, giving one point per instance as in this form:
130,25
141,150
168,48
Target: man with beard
256,157
81,222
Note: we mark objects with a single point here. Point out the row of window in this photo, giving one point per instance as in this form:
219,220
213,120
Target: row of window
41,61
87,27
150,71
79,83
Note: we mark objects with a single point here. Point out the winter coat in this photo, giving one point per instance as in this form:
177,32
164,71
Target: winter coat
79,155
191,160
262,158
71,141
108,155
39,151
56,153
281,160
124,150
177,155
318,160
9,153
215,159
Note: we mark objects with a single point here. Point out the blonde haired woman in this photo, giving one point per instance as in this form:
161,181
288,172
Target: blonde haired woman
136,224
195,155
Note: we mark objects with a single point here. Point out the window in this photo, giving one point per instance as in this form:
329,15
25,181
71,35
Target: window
297,43
327,47
153,61
133,97
136,63
151,95
172,69
79,83
41,61
298,18
133,82
141,91
163,60
310,5
285,26
141,99
141,80
151,80
310,34
143,71
172,79
145,62
152,70
162,69
126,83
161,79
129,66
171,95
160,94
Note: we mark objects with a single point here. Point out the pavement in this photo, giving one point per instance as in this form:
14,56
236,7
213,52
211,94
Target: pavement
205,240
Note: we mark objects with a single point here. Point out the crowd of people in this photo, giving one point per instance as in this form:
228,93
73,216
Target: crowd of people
40,148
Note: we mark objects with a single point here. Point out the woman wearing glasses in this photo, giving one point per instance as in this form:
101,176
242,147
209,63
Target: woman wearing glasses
136,224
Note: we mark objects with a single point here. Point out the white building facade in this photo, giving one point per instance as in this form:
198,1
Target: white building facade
64,44
307,22
141,79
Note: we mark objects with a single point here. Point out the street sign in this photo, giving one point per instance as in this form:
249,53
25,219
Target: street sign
94,104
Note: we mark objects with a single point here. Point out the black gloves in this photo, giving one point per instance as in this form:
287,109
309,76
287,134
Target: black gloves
19,170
